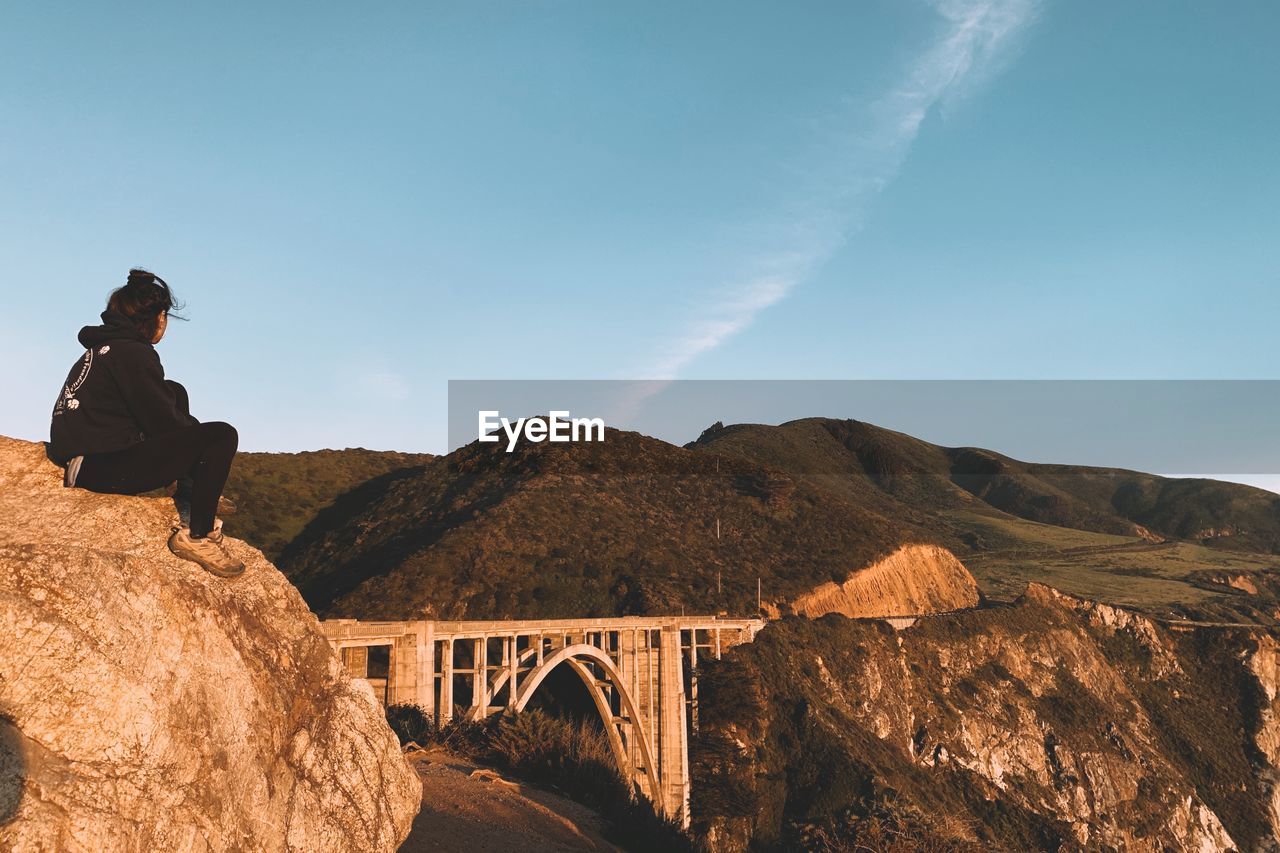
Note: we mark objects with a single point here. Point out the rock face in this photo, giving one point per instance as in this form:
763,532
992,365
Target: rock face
1053,724
148,705
912,581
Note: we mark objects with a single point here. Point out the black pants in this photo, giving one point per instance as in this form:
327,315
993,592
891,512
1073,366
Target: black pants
202,452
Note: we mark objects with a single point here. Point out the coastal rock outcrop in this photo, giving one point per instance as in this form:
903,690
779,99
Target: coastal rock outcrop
148,705
912,581
1055,723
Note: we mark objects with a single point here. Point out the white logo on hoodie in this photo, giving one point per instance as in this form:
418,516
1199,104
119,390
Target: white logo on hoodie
68,397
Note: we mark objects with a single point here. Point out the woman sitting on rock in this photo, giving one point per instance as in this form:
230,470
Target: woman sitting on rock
120,427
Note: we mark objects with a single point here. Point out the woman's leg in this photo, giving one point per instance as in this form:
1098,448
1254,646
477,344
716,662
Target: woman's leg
210,474
203,452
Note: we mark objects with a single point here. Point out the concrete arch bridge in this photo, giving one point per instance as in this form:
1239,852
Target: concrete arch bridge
640,672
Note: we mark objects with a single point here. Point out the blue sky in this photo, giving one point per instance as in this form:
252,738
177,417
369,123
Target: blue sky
361,203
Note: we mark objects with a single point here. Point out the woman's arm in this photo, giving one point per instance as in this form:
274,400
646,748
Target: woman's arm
182,402
151,400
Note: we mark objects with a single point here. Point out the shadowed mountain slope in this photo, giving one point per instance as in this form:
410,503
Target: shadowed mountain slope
624,526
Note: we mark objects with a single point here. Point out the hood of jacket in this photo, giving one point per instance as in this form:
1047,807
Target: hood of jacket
115,327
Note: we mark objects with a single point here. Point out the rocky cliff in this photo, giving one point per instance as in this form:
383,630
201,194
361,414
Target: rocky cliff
913,580
1055,723
147,705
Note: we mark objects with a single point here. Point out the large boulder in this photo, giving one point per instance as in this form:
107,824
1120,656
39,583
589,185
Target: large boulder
148,705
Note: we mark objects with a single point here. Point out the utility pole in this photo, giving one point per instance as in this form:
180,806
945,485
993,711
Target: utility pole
719,567
758,593
721,500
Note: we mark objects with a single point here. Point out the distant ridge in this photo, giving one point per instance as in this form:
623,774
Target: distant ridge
899,474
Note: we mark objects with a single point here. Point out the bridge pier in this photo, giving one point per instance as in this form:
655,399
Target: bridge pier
633,667
446,682
673,742
480,680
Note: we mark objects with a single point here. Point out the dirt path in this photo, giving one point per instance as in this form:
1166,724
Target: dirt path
469,808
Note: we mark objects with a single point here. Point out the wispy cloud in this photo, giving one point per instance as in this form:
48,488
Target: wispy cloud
977,38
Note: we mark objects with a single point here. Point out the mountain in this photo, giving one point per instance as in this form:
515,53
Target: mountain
636,525
1159,543
280,493
629,525
899,474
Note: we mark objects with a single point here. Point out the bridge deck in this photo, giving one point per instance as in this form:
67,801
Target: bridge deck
353,628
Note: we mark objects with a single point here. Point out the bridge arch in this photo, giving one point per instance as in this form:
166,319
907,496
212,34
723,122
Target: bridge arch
581,658
500,678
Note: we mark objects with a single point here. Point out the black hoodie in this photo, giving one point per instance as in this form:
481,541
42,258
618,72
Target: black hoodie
115,394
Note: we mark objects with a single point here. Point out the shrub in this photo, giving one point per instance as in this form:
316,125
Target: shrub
577,759
411,724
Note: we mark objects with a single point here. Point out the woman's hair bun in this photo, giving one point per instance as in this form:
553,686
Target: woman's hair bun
142,300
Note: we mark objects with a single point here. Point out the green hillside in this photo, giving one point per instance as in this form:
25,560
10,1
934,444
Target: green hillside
278,494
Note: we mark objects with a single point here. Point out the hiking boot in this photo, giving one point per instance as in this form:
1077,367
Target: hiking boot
207,551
